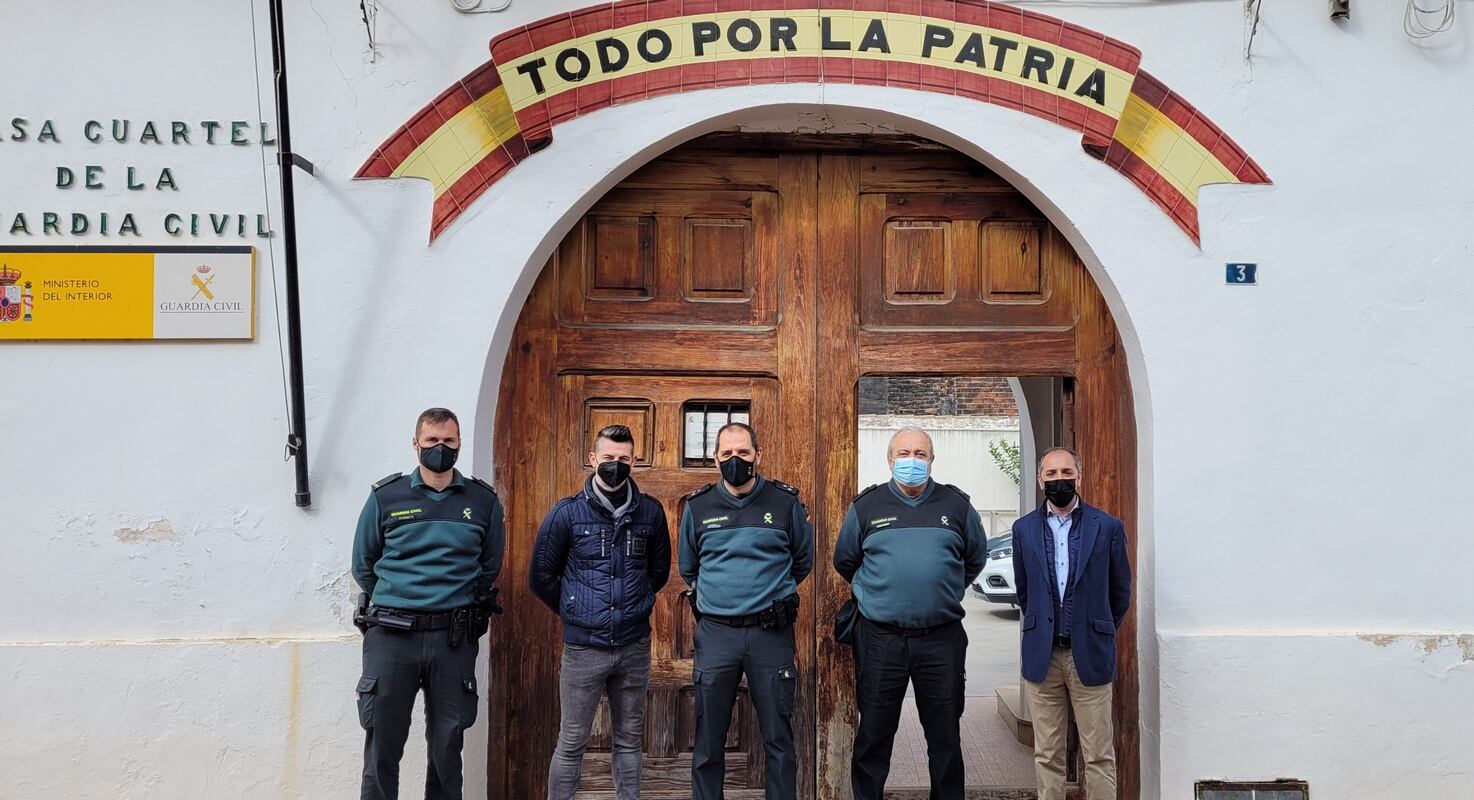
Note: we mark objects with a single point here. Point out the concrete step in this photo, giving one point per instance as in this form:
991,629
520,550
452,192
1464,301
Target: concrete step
1010,707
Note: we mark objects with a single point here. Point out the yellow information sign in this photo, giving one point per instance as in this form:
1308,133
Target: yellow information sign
82,293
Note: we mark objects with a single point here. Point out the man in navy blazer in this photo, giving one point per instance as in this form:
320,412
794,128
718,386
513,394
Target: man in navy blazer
1073,577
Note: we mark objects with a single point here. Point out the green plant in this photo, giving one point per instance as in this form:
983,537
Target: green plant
1006,455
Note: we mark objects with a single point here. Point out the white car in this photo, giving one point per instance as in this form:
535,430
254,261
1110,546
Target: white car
995,584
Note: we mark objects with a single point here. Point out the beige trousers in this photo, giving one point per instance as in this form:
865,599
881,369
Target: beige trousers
1049,703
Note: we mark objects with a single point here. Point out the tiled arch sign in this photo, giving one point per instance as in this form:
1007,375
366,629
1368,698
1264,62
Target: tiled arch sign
578,62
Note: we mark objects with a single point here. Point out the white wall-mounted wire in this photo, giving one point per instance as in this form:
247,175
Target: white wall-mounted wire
1421,23
369,11
1251,26
474,6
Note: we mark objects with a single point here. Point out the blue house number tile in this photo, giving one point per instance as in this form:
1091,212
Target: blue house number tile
1243,274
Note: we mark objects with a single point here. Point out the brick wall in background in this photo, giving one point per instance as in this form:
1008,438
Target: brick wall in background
966,396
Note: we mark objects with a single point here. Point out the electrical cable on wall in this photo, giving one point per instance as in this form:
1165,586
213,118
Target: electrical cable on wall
1251,23
369,9
281,345
473,6
1415,19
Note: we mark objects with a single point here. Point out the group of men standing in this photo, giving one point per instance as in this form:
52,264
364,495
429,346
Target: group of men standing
429,547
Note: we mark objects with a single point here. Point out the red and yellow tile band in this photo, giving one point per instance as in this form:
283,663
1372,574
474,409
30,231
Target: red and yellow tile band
615,53
1170,150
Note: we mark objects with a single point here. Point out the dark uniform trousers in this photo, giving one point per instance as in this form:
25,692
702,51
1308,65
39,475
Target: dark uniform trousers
723,654
396,666
935,662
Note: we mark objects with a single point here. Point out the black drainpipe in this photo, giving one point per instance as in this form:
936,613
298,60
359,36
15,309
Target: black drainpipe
286,159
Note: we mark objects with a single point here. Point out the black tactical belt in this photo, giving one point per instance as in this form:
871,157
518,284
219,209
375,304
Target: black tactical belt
408,621
744,621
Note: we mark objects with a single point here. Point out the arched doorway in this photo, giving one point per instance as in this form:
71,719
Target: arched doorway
765,275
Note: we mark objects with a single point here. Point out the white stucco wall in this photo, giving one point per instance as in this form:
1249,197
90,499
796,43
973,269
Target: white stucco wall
175,628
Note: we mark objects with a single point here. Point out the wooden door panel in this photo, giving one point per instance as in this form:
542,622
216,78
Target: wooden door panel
1012,266
960,260
634,413
699,168
619,256
727,351
669,257
716,258
935,170
916,261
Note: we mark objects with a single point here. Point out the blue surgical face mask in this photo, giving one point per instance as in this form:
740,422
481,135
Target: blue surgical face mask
910,471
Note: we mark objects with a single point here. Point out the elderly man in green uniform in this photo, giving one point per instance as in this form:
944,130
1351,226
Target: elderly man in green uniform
746,543
909,549
427,552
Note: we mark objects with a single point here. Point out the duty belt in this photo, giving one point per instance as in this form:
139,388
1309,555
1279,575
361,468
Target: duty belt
744,621
779,615
466,624
408,620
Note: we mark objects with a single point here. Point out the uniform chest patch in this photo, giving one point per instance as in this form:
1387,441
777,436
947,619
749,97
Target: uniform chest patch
407,512
715,522
883,522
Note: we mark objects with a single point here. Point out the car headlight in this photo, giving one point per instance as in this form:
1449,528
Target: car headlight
1001,553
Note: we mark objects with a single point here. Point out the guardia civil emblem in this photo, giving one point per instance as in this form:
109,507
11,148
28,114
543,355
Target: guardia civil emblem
201,282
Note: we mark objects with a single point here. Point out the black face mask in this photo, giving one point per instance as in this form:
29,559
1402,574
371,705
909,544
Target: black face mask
613,473
1060,492
736,471
439,458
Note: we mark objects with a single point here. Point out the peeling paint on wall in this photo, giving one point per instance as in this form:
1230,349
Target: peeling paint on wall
342,594
159,531
1427,644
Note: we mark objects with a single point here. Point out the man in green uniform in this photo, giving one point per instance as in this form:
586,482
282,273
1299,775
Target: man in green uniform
909,549
427,552
745,545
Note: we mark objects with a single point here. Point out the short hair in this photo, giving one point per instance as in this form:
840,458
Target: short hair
436,416
1040,466
615,433
741,426
891,446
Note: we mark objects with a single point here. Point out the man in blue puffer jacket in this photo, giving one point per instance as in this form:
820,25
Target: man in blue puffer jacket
600,557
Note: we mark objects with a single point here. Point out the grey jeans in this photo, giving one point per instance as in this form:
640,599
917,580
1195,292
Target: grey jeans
589,673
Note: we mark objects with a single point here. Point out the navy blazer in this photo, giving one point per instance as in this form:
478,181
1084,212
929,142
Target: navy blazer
1102,581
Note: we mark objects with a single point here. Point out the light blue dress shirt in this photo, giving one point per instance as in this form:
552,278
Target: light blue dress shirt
1060,526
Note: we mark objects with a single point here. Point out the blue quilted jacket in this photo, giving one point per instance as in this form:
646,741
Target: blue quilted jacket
598,573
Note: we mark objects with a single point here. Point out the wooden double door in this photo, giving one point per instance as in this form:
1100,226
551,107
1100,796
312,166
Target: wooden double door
759,279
